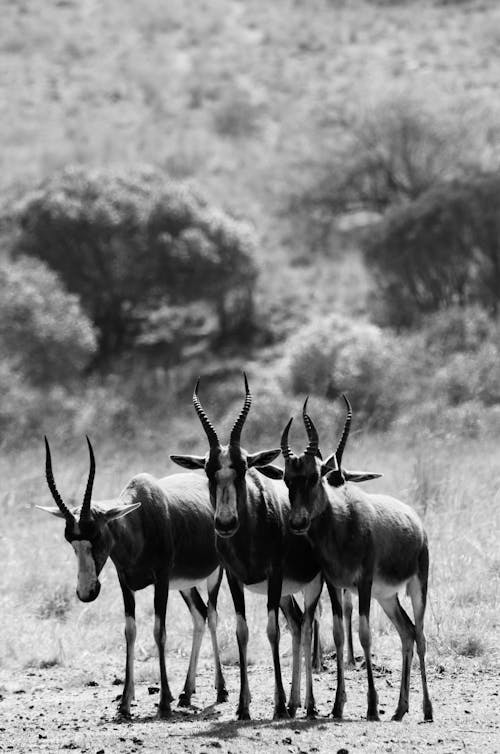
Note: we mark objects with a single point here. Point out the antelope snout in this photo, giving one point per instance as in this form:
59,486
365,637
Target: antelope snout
226,527
300,522
89,595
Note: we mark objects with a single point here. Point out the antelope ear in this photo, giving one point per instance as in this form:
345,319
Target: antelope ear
263,458
273,472
119,511
54,510
335,478
360,476
189,462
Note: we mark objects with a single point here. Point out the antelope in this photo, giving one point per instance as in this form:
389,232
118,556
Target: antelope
258,550
157,531
370,544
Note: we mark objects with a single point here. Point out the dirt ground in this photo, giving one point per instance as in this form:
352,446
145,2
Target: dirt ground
67,709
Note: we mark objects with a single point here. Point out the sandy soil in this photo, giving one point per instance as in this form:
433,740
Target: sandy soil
67,709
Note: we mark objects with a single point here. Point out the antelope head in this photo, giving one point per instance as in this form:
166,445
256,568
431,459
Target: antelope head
226,466
306,473
86,528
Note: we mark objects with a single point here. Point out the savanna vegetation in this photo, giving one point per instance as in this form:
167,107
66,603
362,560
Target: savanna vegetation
307,191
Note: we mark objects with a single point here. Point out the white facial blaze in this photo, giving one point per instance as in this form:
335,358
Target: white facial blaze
226,508
87,576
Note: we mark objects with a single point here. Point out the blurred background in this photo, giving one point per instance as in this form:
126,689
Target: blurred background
308,191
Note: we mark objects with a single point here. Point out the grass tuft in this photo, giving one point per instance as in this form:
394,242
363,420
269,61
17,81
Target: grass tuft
468,646
56,604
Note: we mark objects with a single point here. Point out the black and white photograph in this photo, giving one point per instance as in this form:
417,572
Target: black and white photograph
250,376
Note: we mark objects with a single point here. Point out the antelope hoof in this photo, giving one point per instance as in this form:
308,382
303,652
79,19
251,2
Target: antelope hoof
373,717
281,713
399,714
184,700
428,716
292,710
311,712
164,711
337,711
222,695
338,707
243,713
123,714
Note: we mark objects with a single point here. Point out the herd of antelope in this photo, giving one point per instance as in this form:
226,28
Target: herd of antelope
274,532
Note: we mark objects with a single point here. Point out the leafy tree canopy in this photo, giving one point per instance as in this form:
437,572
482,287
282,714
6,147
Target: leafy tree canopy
443,249
127,242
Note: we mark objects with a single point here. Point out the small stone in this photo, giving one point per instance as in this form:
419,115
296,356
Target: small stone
92,683
153,690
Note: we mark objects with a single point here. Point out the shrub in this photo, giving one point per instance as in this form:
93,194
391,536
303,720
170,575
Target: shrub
336,355
128,242
55,603
439,251
19,403
470,376
458,329
43,330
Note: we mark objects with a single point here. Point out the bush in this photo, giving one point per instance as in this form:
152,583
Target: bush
19,404
471,376
458,329
336,355
439,251
43,330
128,242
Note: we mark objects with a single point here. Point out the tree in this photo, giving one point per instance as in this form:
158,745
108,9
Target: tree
393,153
128,242
443,249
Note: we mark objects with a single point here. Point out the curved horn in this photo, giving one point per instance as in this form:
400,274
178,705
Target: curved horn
85,511
345,432
234,438
285,448
207,425
312,433
52,485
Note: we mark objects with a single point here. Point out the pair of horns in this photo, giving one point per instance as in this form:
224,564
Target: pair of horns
312,434
85,510
234,438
